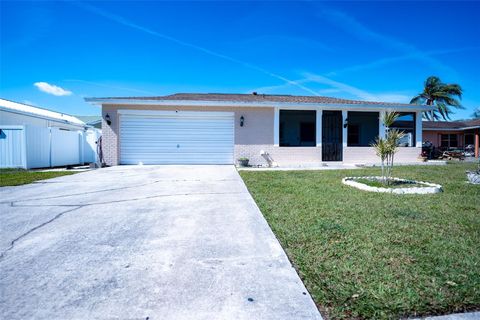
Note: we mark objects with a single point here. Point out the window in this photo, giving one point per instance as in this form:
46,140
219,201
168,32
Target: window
448,141
362,128
297,128
406,123
469,139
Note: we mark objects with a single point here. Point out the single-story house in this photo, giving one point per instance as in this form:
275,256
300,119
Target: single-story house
33,137
285,130
448,135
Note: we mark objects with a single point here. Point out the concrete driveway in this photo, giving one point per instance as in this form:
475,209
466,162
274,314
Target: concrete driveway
143,242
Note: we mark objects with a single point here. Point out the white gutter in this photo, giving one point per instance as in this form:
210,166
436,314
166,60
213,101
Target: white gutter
42,117
272,104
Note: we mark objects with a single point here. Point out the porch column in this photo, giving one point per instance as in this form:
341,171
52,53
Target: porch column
345,129
319,127
381,127
276,127
477,143
418,129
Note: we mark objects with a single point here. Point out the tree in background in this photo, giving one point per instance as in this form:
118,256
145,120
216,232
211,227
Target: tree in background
476,113
441,95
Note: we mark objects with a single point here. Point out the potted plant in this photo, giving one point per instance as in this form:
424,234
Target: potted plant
474,176
423,156
243,162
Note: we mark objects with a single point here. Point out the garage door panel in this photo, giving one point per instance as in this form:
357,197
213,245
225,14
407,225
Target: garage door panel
192,138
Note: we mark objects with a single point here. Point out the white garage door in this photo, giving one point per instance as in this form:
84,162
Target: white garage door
176,137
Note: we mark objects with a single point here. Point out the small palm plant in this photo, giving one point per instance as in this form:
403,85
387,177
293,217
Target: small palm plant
386,147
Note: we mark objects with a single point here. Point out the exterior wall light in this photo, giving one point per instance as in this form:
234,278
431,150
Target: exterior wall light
107,119
346,123
242,121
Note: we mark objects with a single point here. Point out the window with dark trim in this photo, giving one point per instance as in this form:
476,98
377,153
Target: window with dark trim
449,140
297,128
406,123
469,139
362,128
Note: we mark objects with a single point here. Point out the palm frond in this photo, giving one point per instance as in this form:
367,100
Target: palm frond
441,95
418,99
389,118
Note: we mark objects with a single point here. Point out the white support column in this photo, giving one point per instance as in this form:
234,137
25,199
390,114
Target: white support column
381,126
319,127
418,129
345,130
276,127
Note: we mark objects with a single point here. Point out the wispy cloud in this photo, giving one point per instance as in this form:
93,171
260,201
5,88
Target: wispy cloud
386,61
351,25
52,89
354,91
339,85
336,87
109,86
130,24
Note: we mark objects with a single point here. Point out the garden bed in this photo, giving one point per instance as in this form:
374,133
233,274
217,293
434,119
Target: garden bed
395,185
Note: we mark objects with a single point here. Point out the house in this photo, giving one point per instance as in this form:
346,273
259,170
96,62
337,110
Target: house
285,130
32,137
448,135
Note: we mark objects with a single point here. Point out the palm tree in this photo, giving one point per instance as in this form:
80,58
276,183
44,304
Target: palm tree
386,147
441,95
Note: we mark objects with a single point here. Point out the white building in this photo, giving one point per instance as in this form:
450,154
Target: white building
32,137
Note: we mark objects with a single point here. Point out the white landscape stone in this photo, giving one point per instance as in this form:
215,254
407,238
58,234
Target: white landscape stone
428,189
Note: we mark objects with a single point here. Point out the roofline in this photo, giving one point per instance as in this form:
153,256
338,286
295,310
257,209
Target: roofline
37,107
273,104
94,121
442,129
41,116
452,129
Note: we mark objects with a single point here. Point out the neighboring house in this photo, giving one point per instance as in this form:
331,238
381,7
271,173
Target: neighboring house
448,135
32,137
94,121
220,128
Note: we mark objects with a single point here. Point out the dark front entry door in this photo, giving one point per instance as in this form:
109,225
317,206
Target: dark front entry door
332,136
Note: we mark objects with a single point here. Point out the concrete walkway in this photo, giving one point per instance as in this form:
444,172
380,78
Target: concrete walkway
138,242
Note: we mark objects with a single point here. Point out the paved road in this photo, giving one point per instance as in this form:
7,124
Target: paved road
138,242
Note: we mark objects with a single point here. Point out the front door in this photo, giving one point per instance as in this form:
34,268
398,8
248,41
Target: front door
332,136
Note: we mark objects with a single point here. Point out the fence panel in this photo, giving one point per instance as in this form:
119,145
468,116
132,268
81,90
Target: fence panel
65,148
12,147
38,146
90,145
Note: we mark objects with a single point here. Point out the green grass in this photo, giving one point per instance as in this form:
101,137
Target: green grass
393,183
16,177
366,255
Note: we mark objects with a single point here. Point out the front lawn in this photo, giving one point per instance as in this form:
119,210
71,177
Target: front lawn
373,255
15,177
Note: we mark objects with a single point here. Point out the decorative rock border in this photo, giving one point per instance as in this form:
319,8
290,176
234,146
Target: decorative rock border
428,189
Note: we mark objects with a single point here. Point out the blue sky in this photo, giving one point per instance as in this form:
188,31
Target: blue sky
53,54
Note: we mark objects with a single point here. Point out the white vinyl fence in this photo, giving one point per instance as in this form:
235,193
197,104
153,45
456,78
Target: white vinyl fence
38,147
